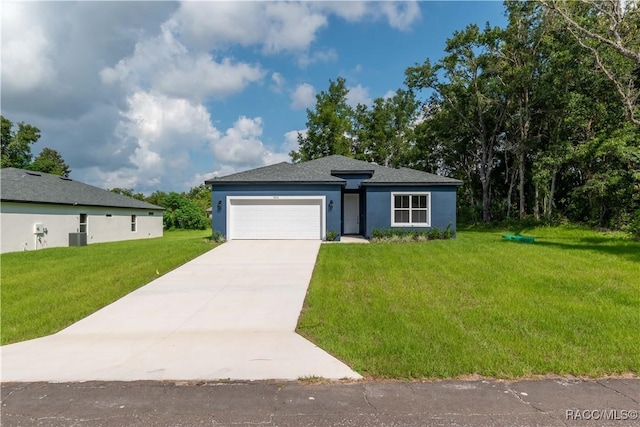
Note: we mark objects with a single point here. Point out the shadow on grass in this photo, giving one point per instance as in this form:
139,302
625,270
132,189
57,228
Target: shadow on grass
628,250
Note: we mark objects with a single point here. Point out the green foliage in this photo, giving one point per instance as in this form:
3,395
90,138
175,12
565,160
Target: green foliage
16,150
328,125
406,235
182,213
129,192
217,237
16,145
50,161
332,235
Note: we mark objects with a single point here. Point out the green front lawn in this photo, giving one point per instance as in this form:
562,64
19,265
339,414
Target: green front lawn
44,291
568,304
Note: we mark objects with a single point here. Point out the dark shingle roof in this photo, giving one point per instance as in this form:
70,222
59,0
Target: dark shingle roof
322,170
279,173
18,185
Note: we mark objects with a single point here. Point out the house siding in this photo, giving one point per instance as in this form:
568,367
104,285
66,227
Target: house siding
18,219
378,206
222,192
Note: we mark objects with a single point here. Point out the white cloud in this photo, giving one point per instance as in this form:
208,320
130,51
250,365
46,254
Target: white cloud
166,65
26,50
328,55
401,15
303,96
278,82
240,144
291,140
161,132
275,26
358,95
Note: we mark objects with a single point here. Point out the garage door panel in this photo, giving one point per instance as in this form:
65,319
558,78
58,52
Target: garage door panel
276,218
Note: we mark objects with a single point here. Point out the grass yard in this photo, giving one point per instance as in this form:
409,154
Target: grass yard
479,305
44,291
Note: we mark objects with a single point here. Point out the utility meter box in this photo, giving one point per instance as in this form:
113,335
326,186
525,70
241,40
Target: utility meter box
38,228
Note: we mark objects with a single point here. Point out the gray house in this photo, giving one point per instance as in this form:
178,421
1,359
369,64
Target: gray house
40,210
335,193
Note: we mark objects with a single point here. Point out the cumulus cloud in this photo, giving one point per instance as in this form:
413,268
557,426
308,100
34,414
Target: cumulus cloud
303,96
358,95
165,64
26,55
290,142
401,15
276,26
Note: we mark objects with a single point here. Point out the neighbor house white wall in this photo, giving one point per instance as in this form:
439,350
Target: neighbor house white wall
17,221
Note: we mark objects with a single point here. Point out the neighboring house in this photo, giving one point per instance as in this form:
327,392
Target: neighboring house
335,193
41,210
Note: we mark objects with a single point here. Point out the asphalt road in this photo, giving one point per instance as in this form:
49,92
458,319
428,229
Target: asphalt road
549,402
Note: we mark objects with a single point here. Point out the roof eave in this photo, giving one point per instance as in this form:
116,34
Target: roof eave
216,183
413,184
147,208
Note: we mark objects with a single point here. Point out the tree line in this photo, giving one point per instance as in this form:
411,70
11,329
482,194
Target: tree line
539,119
186,210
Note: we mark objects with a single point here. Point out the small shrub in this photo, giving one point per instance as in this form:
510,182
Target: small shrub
434,233
447,233
332,235
217,237
377,233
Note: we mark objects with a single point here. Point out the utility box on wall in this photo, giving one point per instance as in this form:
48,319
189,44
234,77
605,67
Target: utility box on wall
77,239
38,228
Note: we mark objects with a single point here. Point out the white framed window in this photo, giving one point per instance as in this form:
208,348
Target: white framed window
410,209
133,223
82,228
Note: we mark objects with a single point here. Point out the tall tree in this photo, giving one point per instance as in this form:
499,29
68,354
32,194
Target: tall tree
467,82
385,132
50,161
16,144
329,125
610,31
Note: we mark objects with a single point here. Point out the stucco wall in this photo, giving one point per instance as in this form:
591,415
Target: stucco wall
331,192
378,207
17,221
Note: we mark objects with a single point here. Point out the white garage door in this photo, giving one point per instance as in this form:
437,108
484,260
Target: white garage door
275,218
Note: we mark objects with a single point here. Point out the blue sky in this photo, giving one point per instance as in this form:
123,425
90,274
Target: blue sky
162,95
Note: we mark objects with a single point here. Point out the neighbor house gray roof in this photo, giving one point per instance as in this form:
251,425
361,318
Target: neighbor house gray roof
323,170
18,185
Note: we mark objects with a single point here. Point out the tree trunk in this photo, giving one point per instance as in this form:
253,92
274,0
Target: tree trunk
536,206
552,191
521,183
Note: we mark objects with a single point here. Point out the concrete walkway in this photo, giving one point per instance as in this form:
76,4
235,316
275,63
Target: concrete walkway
228,314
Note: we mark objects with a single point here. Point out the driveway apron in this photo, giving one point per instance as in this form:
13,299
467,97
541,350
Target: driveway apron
228,314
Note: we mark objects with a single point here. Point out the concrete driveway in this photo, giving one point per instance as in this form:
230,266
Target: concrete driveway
228,314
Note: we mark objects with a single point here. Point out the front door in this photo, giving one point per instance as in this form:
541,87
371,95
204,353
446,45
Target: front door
351,213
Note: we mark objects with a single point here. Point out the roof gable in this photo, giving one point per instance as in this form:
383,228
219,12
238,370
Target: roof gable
19,185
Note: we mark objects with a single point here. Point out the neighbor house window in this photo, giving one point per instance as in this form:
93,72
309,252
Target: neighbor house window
83,223
133,223
410,209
